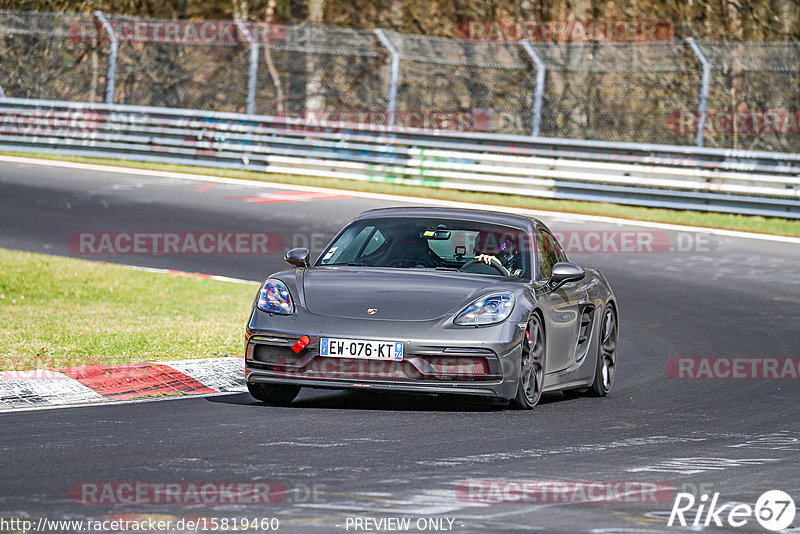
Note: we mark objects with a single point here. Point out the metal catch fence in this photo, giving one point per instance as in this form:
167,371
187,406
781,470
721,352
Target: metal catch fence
721,95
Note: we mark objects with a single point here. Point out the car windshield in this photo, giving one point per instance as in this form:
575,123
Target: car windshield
444,244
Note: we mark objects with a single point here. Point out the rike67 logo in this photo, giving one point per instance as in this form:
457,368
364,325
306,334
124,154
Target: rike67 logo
774,510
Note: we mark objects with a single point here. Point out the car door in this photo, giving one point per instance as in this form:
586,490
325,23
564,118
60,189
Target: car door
562,305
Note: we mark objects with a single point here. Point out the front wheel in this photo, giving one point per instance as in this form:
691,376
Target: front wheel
531,376
606,368
273,393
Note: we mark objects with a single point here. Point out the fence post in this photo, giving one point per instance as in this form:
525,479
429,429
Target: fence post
111,77
252,75
702,107
395,72
541,72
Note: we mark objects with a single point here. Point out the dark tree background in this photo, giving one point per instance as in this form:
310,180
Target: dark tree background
723,20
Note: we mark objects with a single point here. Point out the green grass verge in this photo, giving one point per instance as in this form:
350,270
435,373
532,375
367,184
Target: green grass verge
60,312
744,223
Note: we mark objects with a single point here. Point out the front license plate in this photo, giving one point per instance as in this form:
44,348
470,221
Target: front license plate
355,348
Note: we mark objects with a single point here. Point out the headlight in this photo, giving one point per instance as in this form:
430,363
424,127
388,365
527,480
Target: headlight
490,309
274,297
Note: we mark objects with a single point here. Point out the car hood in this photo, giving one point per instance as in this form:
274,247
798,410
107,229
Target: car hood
396,294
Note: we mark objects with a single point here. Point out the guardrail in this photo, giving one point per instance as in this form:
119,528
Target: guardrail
732,181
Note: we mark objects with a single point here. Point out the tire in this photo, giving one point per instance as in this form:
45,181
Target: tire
279,394
531,375
606,367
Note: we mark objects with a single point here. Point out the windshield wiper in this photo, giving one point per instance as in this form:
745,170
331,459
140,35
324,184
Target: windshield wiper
442,268
357,264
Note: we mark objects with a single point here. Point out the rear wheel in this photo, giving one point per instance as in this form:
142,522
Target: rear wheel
606,368
273,393
531,377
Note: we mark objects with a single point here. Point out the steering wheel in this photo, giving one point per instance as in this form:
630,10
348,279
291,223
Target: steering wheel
494,263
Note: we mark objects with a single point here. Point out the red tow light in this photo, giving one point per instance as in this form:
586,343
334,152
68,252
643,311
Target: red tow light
301,343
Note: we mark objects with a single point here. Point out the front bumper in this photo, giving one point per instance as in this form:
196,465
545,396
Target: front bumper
472,361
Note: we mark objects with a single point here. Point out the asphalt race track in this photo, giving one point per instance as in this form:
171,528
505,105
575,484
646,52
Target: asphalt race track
343,455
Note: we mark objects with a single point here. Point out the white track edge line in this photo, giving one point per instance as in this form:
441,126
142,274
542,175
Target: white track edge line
111,402
399,198
178,272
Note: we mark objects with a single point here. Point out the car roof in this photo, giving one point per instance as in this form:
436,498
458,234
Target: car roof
486,216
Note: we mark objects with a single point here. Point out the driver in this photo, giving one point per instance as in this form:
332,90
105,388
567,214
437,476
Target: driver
499,247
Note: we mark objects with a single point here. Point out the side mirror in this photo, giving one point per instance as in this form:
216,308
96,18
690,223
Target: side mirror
565,272
297,257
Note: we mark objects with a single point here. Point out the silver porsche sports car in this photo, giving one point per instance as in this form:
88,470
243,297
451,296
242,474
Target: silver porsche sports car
437,301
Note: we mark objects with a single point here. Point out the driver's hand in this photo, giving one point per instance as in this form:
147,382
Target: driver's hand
487,258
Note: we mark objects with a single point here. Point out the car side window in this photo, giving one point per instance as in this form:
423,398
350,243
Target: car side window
374,243
548,253
348,245
562,256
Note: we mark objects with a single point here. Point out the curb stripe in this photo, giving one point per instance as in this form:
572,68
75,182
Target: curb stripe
136,380
99,384
221,374
29,393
